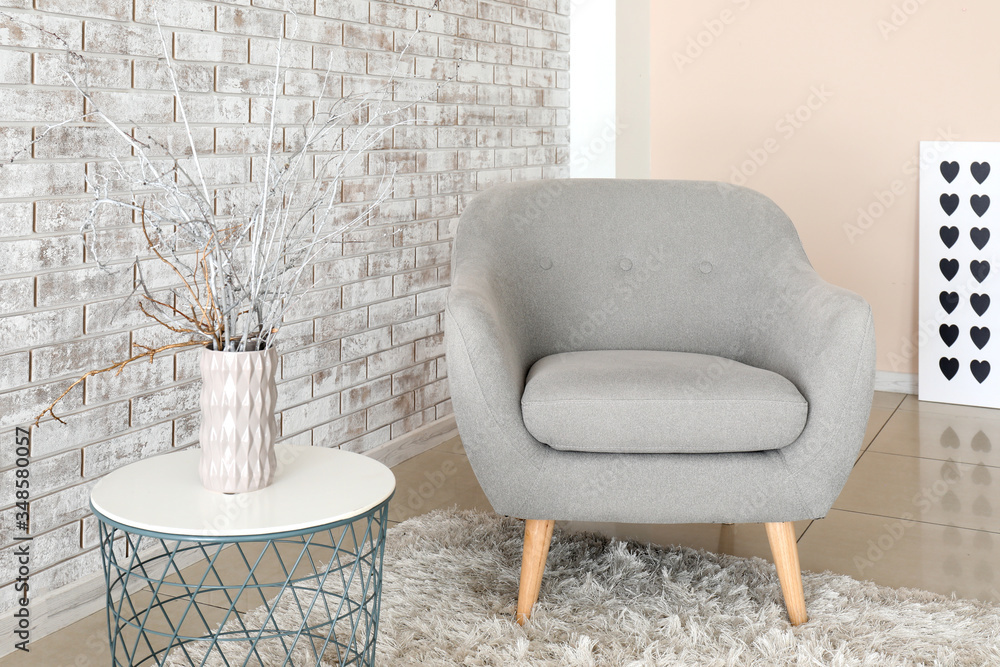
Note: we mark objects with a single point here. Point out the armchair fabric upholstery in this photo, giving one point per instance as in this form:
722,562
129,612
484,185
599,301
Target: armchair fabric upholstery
652,402
550,267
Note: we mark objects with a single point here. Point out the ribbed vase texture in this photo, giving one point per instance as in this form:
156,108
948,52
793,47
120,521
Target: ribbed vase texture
238,396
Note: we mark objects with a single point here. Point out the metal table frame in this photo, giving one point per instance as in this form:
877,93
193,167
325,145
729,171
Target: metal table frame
339,615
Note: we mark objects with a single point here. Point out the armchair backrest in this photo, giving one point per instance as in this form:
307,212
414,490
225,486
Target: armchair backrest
589,264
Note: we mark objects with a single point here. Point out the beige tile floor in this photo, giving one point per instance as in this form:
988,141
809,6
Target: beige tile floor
919,510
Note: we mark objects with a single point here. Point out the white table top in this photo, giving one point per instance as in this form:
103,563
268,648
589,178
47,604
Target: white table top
312,486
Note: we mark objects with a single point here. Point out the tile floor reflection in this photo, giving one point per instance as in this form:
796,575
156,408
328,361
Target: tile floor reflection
921,509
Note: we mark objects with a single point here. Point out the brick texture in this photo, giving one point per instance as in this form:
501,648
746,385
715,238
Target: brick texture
362,359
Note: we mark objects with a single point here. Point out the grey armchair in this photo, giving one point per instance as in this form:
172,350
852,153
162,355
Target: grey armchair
652,352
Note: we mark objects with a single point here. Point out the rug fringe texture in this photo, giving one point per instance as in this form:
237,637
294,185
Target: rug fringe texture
451,582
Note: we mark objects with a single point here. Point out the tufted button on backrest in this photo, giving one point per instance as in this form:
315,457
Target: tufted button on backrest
622,264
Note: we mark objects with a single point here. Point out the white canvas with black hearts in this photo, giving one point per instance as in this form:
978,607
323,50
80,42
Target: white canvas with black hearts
959,337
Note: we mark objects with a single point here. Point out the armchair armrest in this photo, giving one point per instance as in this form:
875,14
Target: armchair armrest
487,367
822,338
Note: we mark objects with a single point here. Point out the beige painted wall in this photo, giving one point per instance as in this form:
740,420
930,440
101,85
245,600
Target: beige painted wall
821,106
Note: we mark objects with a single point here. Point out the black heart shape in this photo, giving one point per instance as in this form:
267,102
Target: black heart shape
980,370
980,171
981,442
979,269
980,236
981,475
949,301
949,439
949,203
950,503
949,170
980,303
949,334
980,336
949,367
980,204
949,235
949,267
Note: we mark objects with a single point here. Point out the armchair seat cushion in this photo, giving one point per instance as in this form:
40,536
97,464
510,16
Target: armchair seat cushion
651,402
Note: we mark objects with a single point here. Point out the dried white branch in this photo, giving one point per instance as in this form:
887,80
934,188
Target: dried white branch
236,274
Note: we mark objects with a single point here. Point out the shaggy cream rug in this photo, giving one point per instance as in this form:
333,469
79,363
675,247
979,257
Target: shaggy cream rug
451,580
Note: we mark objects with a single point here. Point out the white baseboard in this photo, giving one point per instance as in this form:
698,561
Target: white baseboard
902,383
69,604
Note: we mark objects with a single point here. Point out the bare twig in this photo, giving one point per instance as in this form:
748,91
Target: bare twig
118,368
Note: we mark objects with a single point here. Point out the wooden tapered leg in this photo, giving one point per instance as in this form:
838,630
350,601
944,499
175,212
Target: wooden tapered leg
537,537
781,536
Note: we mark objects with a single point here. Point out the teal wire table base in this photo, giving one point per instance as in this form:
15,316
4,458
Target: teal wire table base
307,597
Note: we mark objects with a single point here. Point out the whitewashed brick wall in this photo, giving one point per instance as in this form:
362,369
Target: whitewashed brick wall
361,363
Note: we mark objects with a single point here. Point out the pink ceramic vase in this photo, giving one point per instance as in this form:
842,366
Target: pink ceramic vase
238,396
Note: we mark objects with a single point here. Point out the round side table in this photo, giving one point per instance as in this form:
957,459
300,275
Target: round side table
287,575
